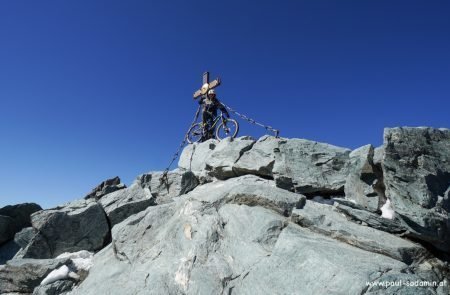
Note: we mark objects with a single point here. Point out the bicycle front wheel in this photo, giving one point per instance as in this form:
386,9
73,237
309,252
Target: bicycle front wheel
227,128
195,133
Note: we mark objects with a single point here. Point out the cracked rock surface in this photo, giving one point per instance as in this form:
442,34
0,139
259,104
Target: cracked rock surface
123,203
23,275
266,216
416,166
79,225
225,236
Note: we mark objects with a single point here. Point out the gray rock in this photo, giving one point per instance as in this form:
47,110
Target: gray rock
232,220
6,229
188,182
176,247
215,157
8,251
106,187
296,164
224,236
324,220
56,288
416,168
260,159
226,153
356,213
79,225
115,276
378,155
163,191
119,205
24,237
434,270
362,178
312,264
38,247
194,155
19,218
23,275
310,167
248,190
178,182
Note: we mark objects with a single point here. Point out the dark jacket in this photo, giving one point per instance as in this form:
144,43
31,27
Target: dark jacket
211,105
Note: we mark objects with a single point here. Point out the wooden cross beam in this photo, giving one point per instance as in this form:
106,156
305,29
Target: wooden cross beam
206,85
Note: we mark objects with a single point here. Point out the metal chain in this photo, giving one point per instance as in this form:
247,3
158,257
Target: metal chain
250,120
163,177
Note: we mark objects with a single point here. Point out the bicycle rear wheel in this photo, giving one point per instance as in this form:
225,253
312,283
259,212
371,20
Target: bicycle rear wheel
227,128
195,133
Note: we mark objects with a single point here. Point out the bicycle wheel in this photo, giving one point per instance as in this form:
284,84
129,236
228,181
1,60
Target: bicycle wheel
227,128
195,133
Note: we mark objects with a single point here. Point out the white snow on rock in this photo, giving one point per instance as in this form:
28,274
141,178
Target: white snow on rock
387,211
82,260
59,274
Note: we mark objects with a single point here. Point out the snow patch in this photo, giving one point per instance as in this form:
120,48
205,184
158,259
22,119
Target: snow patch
82,260
59,274
387,211
221,184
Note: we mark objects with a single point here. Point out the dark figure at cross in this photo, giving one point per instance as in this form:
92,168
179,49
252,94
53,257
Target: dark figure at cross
210,104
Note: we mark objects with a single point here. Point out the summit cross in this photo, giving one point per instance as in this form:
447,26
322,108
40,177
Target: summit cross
206,85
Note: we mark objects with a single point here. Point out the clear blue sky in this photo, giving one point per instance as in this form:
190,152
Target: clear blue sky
94,89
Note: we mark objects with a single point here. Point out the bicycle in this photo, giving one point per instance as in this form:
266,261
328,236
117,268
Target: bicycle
229,127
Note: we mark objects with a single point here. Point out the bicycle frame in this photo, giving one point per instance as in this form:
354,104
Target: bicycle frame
199,132
216,119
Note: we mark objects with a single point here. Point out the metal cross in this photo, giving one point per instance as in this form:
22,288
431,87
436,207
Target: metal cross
206,85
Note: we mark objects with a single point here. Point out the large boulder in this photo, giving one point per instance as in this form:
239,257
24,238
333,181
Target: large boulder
298,165
416,168
8,251
217,158
23,238
225,154
38,248
163,190
311,167
56,288
177,182
363,178
360,215
120,204
303,262
323,219
106,187
6,229
189,181
13,218
260,159
194,155
23,275
79,225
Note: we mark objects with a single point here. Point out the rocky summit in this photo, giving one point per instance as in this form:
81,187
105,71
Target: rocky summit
245,216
